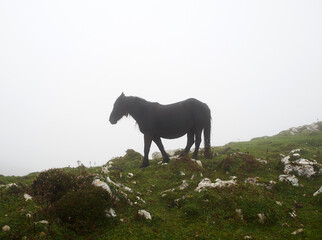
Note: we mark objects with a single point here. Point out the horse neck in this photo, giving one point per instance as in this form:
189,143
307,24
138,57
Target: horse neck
136,108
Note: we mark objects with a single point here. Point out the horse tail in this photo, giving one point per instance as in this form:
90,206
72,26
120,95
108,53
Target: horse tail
206,133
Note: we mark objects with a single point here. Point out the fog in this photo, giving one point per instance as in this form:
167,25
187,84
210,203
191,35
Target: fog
257,64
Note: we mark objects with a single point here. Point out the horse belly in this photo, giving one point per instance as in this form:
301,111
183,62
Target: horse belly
171,130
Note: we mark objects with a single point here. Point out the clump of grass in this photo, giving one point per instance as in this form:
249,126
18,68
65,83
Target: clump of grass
49,186
84,210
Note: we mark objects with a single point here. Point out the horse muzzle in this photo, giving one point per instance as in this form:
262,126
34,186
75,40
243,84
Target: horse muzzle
113,121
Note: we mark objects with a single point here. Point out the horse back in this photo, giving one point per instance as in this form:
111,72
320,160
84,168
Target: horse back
174,120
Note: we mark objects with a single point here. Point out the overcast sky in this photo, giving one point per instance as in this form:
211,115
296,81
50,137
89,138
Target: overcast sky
257,64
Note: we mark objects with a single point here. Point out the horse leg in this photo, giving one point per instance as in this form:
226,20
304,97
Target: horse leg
147,145
197,144
190,142
165,156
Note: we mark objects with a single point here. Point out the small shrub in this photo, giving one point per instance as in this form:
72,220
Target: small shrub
84,210
51,185
226,163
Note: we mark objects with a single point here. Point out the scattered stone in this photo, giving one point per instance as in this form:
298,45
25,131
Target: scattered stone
145,214
179,199
42,222
317,192
198,162
279,203
248,237
27,197
119,185
232,177
130,175
105,170
111,213
289,178
301,166
293,214
295,151
254,181
239,213
138,198
182,173
99,183
184,185
261,217
206,183
29,215
297,231
6,228
271,185
8,185
261,161
192,177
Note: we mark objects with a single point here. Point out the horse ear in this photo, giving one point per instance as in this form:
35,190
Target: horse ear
122,95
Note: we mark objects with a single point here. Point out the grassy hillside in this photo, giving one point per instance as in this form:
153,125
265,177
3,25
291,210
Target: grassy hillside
256,205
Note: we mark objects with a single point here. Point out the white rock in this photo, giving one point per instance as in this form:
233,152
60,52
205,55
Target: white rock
261,217
42,222
293,214
182,173
99,183
239,213
111,213
5,228
302,167
295,151
130,175
297,231
279,203
198,162
178,199
27,197
8,186
317,192
145,214
141,199
119,185
184,185
105,170
206,183
286,160
254,181
270,185
261,161
289,178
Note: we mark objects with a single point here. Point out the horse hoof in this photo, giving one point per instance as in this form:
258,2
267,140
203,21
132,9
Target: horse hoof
166,160
144,165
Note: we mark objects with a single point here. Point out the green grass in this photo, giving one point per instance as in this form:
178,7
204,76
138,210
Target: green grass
210,214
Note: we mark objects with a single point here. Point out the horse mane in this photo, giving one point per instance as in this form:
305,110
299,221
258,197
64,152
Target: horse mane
140,101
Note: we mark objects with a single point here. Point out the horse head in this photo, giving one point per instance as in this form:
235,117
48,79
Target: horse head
119,109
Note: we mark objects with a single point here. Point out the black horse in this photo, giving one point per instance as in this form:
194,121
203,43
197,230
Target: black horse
171,121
